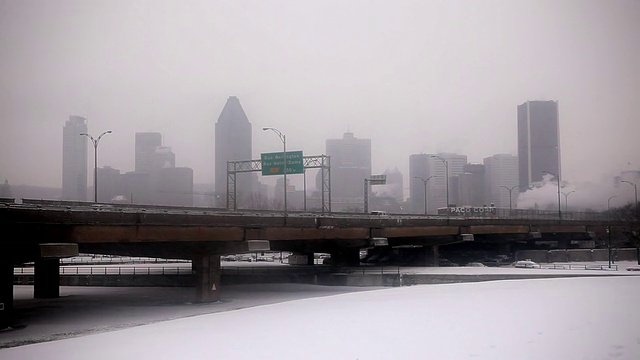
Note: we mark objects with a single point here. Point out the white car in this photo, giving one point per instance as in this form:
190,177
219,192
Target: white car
476,264
527,264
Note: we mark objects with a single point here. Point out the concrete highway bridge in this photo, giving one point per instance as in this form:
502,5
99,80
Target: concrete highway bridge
42,232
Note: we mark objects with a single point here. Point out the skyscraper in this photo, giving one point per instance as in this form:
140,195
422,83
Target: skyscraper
233,143
146,144
350,165
74,159
538,142
433,166
501,177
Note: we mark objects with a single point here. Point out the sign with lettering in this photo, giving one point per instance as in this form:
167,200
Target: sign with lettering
472,210
273,164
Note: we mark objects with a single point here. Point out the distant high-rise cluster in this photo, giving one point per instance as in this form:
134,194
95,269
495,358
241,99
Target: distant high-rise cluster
74,159
156,179
436,180
501,177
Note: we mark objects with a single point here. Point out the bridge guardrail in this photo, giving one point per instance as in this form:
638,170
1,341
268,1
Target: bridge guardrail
112,270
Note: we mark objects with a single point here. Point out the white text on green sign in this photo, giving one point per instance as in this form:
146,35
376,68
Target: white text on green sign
272,163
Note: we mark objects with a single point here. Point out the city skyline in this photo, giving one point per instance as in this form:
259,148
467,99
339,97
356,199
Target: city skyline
417,77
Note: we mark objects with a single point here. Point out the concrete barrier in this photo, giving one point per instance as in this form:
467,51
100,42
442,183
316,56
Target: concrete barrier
576,255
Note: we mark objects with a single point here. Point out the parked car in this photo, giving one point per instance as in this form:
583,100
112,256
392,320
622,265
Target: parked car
476,264
527,264
446,262
633,268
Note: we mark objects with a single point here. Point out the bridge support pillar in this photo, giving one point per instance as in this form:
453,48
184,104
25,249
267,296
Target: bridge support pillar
46,279
346,257
431,255
310,258
505,248
6,293
207,269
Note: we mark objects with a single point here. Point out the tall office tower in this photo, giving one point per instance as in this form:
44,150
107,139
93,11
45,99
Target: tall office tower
110,181
501,178
433,169
163,158
233,143
350,165
418,168
469,188
74,159
538,142
173,186
146,144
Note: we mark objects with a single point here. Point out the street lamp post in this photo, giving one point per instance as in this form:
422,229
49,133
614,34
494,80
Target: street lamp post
609,228
635,188
283,138
446,170
510,190
95,162
566,195
559,206
425,190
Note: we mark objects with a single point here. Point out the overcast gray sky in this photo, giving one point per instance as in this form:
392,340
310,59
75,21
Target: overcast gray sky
412,76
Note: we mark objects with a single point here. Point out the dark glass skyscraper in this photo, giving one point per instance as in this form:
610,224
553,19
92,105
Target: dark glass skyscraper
74,159
538,141
233,143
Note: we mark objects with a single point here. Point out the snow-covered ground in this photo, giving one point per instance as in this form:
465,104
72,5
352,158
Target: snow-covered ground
593,317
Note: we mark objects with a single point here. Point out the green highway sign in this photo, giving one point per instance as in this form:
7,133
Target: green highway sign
272,163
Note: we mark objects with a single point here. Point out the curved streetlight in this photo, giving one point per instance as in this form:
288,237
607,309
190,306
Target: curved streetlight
566,195
510,190
283,138
446,170
558,180
95,162
609,228
635,188
425,190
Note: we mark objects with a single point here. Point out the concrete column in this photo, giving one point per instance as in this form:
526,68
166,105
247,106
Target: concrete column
207,269
6,293
46,279
505,248
346,257
435,250
430,255
310,259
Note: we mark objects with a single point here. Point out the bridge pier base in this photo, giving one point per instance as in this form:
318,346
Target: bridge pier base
431,255
505,248
46,279
346,257
6,293
207,269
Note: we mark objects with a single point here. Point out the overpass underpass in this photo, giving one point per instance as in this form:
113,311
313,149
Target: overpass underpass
31,230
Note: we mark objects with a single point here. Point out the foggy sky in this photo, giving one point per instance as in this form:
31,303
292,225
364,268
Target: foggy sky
412,76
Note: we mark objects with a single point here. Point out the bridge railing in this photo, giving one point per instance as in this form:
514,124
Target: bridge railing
113,270
528,214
